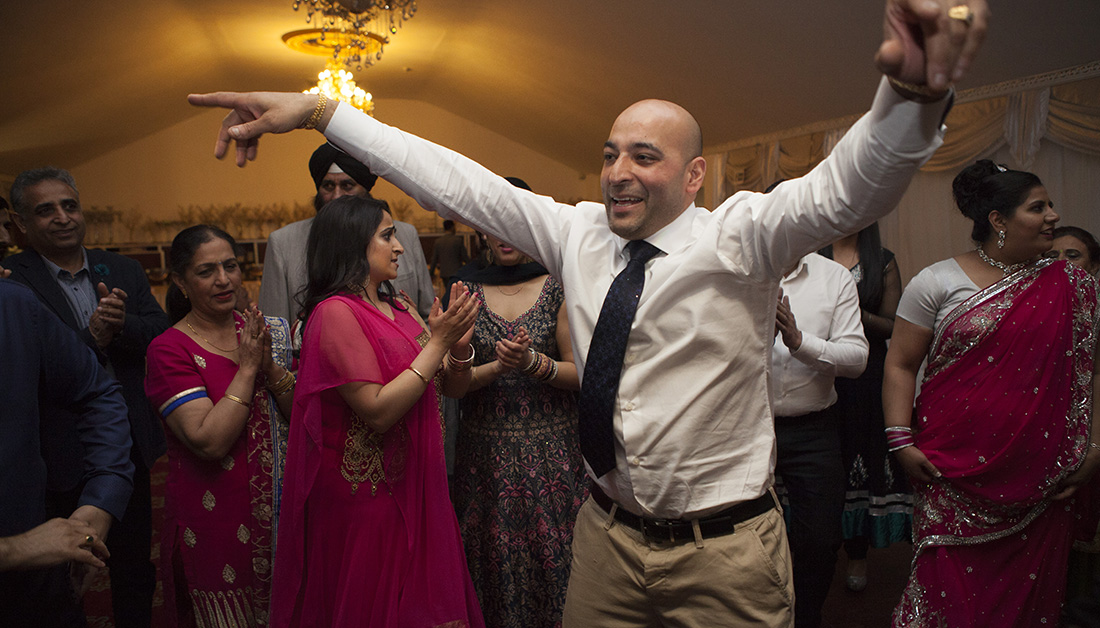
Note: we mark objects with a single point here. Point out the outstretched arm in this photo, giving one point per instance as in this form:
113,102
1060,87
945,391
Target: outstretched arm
923,45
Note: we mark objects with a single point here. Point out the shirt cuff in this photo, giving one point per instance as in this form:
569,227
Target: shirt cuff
109,491
810,351
911,127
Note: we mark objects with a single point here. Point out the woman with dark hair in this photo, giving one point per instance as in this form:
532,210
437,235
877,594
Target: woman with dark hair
1077,246
1001,438
368,536
519,477
877,504
221,381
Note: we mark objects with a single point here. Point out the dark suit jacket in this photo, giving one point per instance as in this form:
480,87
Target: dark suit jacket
42,358
145,320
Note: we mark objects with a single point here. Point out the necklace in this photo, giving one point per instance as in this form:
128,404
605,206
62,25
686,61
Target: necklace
510,294
204,339
1007,269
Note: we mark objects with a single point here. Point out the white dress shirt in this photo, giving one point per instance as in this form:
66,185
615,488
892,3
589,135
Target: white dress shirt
825,305
693,419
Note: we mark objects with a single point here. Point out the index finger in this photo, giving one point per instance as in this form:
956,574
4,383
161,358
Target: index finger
228,100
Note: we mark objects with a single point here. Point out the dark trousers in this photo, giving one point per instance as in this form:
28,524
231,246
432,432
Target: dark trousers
809,463
133,576
40,598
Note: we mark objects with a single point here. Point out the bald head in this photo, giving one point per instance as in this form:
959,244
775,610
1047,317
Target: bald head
681,127
652,167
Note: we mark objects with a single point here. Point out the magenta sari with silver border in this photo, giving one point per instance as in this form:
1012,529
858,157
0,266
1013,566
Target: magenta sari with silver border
1004,414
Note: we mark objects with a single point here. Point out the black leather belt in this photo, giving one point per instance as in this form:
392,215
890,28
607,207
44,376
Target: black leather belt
674,530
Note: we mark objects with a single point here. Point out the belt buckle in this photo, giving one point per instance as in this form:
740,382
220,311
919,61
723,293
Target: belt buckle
659,525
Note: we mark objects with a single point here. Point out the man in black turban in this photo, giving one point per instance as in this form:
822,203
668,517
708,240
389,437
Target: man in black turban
335,174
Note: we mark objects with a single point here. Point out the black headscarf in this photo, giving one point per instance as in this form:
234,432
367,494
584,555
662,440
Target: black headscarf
327,154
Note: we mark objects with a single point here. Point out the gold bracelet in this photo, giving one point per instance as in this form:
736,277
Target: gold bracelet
283,386
921,93
460,366
238,400
418,374
318,111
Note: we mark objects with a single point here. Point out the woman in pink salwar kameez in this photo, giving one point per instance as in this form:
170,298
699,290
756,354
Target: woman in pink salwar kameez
368,536
1001,438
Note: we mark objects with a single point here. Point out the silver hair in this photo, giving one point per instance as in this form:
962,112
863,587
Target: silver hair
29,178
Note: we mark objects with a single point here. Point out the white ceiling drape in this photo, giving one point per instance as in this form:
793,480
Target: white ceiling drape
1051,130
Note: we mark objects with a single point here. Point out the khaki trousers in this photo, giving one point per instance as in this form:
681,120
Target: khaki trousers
619,579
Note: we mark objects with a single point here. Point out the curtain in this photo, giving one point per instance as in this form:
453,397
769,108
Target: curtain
1053,131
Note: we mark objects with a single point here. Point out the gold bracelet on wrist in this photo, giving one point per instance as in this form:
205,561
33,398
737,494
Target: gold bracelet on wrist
460,366
919,93
417,373
237,399
284,385
318,111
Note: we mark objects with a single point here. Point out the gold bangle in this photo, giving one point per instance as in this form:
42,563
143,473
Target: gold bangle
318,111
921,93
418,374
238,400
283,386
459,366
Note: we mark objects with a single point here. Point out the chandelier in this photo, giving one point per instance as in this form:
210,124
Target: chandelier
353,32
338,84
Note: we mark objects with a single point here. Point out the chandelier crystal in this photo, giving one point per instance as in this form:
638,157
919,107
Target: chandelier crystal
355,30
338,84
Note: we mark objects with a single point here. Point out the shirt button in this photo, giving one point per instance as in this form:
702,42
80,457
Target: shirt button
636,461
628,406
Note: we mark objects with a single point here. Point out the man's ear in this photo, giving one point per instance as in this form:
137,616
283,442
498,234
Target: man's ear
17,220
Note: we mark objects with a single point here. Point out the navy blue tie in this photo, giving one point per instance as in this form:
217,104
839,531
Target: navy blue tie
604,364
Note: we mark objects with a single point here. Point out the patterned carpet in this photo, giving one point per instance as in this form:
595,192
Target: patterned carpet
97,602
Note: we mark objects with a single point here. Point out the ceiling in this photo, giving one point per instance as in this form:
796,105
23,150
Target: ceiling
85,78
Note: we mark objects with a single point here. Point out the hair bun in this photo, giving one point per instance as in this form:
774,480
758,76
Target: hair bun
966,187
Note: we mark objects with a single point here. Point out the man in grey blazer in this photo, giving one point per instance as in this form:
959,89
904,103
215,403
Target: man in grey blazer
336,174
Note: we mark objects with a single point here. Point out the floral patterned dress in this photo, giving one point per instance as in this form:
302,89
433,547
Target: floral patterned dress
519,477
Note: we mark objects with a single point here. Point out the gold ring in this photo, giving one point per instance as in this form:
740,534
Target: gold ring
962,13
88,540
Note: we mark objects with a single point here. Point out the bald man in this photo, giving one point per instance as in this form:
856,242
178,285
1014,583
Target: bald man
682,528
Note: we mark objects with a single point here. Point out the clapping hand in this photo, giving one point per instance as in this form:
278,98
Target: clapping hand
109,316
512,353
456,323
785,323
254,344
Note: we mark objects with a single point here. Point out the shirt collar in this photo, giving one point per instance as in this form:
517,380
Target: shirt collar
798,270
672,237
56,270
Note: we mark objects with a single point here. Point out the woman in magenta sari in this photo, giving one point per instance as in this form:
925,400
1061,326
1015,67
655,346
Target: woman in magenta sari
220,380
368,536
1001,438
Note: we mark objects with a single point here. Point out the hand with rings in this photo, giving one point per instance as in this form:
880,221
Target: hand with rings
52,543
930,44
